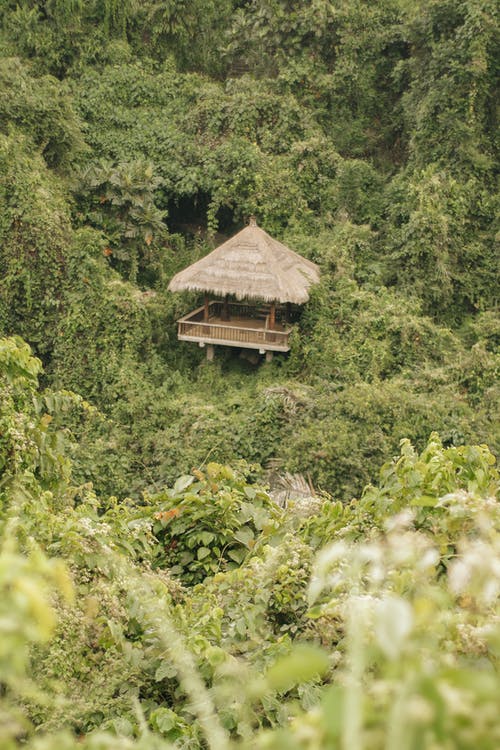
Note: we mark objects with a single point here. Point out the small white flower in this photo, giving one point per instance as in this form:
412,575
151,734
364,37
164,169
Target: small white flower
401,521
393,624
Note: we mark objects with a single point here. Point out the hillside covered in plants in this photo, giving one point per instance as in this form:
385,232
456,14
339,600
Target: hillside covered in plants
156,591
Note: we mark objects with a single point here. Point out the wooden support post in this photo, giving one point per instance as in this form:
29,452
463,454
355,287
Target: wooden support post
288,312
269,356
272,316
210,352
206,309
225,309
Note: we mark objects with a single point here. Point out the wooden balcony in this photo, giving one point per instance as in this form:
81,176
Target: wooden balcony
247,326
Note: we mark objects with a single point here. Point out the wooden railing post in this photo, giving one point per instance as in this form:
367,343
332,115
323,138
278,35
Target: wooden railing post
272,316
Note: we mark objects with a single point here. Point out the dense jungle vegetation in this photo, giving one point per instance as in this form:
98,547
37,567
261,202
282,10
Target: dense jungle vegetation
152,592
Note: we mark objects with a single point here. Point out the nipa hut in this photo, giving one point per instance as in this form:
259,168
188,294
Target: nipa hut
256,280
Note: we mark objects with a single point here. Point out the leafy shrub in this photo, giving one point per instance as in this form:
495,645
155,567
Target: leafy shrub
42,109
210,524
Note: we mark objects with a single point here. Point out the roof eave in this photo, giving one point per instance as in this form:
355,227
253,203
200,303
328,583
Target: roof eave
295,299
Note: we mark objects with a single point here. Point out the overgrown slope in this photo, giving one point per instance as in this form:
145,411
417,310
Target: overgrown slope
207,616
134,136
362,135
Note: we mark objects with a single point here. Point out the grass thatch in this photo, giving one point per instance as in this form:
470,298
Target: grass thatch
250,265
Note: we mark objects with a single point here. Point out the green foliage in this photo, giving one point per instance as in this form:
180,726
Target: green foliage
338,60
228,143
402,603
360,333
448,101
444,479
210,525
351,429
363,135
120,203
40,108
440,248
388,586
27,585
35,232
52,36
32,453
175,23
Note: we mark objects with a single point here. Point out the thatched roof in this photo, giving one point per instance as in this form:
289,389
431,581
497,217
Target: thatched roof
250,265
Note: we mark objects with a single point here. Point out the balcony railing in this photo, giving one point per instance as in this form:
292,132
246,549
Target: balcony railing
246,327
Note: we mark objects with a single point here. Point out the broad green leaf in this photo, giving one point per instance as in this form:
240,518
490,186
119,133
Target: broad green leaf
244,535
207,537
424,501
183,483
238,555
166,669
164,718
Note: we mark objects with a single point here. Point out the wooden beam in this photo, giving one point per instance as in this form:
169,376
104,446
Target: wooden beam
206,309
272,316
